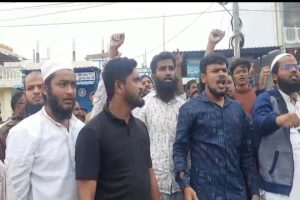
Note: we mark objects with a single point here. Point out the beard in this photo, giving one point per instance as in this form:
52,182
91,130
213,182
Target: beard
288,86
165,90
134,101
58,111
33,108
215,92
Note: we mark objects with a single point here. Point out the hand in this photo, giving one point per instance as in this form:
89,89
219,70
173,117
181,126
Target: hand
215,36
288,120
265,71
255,197
189,194
179,58
252,69
116,40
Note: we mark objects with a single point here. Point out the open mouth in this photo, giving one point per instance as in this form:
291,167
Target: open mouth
68,101
294,77
221,83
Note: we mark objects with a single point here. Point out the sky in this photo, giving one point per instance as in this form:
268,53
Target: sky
186,27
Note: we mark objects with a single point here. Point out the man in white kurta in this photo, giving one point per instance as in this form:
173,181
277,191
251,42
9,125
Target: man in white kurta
40,154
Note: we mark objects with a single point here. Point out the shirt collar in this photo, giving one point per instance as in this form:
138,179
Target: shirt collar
205,98
287,98
112,116
172,101
43,111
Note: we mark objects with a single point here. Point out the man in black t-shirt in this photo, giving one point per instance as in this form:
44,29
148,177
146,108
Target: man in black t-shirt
113,149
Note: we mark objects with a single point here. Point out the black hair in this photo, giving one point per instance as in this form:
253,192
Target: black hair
161,56
15,98
36,71
117,69
239,61
189,83
212,58
143,76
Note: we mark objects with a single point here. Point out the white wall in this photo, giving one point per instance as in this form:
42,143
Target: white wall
259,27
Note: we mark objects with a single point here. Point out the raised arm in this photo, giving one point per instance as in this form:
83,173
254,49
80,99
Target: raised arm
264,73
215,36
116,40
179,60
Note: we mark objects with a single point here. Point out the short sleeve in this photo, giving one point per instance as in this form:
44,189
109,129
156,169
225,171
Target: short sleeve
87,154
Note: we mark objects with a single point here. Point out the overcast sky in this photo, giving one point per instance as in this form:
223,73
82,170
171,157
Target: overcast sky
187,26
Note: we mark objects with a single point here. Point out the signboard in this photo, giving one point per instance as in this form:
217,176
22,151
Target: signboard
193,68
144,71
85,76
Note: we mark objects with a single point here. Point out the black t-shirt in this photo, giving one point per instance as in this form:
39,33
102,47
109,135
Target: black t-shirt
116,155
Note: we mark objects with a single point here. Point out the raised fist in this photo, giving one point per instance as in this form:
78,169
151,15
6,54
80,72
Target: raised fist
216,36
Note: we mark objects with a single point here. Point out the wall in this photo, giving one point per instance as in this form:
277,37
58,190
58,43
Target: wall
5,98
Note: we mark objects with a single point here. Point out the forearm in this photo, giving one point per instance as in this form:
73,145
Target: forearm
86,190
209,48
99,99
113,52
180,88
155,194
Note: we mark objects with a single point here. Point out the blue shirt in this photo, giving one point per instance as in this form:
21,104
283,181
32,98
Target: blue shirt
220,143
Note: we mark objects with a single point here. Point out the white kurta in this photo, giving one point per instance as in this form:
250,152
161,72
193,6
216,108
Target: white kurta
40,158
6,188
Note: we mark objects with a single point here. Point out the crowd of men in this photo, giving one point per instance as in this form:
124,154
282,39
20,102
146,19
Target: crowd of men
149,139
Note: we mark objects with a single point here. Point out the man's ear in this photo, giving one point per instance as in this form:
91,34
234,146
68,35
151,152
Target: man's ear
203,78
118,87
153,76
45,89
274,76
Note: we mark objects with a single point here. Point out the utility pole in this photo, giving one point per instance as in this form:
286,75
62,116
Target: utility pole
38,52
236,30
74,51
164,47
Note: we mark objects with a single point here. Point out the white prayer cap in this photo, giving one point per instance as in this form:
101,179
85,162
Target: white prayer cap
49,67
278,57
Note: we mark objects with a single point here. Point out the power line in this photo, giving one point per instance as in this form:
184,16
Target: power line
226,9
57,12
31,7
109,20
283,11
181,31
49,6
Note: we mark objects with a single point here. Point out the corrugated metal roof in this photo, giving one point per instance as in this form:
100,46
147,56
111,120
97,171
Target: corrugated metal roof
251,52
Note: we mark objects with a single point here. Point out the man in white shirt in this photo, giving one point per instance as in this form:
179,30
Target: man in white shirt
40,149
160,116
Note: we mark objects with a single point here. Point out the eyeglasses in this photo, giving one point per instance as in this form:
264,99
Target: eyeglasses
289,67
